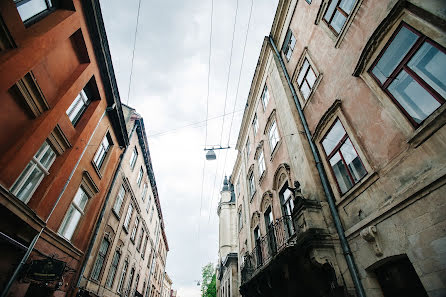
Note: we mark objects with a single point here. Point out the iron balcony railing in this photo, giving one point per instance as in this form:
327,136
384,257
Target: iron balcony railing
266,247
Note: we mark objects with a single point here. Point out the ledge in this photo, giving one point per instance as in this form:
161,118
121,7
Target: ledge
357,189
430,125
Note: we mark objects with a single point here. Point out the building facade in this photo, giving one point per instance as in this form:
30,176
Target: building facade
167,287
343,136
62,137
131,235
227,274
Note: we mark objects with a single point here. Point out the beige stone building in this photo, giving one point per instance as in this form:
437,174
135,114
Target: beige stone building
341,167
167,286
227,268
128,255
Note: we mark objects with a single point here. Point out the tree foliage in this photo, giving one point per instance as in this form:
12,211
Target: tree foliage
208,286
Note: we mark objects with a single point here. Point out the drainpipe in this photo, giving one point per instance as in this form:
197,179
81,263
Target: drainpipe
101,215
34,241
325,184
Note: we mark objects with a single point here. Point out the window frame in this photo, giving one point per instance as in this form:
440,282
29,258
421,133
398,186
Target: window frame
134,230
66,220
255,124
81,98
289,44
144,192
123,276
248,148
133,158
402,66
128,217
100,157
140,176
261,163
273,124
265,102
96,271
113,269
50,7
344,13
251,184
119,200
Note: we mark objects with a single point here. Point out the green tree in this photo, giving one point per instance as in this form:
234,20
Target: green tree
208,286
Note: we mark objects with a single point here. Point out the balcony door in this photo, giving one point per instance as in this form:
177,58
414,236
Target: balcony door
286,199
258,248
269,224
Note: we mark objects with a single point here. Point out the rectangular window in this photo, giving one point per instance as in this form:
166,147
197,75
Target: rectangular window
273,136
74,214
135,229
144,192
119,200
112,270
410,70
240,221
30,178
102,151
128,217
345,163
122,278
265,97
248,148
144,247
32,8
255,125
139,179
252,187
133,158
288,44
151,214
261,162
306,79
100,259
337,14
80,103
141,236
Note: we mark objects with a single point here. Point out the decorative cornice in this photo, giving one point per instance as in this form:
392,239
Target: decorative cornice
326,118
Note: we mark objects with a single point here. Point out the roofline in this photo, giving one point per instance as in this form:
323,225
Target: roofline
98,36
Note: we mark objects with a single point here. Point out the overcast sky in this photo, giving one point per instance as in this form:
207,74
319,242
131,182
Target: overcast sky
169,89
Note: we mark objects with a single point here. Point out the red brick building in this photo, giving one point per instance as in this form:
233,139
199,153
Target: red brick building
63,131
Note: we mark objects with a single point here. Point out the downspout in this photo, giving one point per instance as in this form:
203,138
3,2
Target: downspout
325,184
34,241
101,215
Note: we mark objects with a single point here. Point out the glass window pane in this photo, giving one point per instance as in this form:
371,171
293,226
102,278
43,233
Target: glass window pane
80,199
430,64
418,102
347,5
305,89
333,137
31,8
340,172
330,10
48,158
338,21
302,72
42,150
311,78
30,184
70,223
353,161
394,54
292,42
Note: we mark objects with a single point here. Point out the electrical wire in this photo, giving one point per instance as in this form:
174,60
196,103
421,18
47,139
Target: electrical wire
133,52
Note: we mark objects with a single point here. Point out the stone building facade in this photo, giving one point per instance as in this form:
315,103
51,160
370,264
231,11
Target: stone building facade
130,247
167,287
62,136
227,268
350,148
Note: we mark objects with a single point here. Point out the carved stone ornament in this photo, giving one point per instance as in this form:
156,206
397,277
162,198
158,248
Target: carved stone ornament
255,219
369,235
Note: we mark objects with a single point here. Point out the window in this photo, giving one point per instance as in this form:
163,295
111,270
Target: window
119,200
345,163
286,197
141,236
135,229
122,278
74,214
34,172
139,179
113,268
306,79
144,247
144,192
29,9
74,112
273,136
255,125
129,285
265,97
288,44
102,151
100,259
337,14
133,158
410,70
128,217
151,214
261,162
240,220
252,187
237,188
248,148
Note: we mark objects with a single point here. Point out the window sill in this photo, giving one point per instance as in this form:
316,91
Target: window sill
357,189
276,148
98,171
430,125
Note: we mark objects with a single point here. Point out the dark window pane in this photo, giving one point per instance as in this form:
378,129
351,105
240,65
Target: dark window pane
338,21
353,161
394,54
417,102
333,137
430,64
340,172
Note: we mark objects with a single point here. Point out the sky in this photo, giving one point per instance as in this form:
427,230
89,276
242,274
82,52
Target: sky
169,88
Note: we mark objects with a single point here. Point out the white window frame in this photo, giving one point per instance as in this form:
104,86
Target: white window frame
144,192
248,148
102,151
261,163
151,214
35,163
122,278
135,230
128,217
139,178
289,44
273,136
119,200
77,107
48,5
101,256
113,269
265,97
251,185
255,124
133,158
67,219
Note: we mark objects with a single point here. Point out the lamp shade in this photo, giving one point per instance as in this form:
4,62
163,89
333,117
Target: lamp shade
210,155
